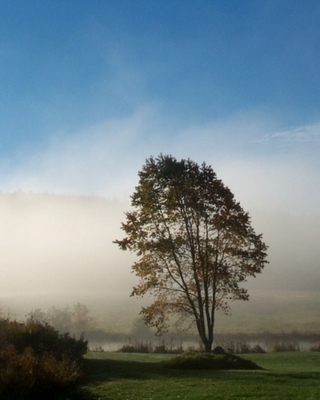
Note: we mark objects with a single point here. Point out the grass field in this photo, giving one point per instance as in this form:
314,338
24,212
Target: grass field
119,376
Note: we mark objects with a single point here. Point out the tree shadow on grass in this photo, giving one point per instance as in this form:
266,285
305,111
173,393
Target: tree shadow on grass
98,370
103,371
106,369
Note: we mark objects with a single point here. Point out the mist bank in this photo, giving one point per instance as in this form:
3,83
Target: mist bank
274,311
58,250
60,244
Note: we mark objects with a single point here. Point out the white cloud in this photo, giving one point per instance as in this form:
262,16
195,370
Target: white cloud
301,134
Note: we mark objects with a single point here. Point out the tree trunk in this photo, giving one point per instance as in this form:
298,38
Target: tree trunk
208,346
207,340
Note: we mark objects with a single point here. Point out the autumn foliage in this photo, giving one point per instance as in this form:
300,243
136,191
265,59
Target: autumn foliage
195,244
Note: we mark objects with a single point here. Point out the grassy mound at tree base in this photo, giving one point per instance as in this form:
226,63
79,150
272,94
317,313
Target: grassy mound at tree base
209,361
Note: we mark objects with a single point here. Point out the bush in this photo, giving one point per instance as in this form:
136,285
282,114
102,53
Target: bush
145,347
315,347
238,347
138,347
27,375
161,349
35,359
257,349
241,347
41,337
277,346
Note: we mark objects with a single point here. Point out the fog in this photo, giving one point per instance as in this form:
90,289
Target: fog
86,102
57,250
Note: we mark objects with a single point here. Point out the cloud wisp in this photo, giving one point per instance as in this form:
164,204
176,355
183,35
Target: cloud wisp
296,135
104,159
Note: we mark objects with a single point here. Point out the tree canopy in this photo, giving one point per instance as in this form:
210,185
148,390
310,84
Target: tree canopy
195,244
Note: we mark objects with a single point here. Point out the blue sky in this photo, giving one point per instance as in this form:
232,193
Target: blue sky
89,89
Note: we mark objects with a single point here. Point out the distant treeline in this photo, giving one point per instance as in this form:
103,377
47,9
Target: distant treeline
77,320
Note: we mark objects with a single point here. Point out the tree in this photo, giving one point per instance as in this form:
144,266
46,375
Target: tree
81,320
195,244
140,330
76,321
60,318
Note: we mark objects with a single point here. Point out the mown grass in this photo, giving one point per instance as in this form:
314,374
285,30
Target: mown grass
115,376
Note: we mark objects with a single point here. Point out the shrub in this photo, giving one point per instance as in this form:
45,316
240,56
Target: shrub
315,347
277,346
148,347
163,349
127,348
257,349
238,347
138,347
219,350
27,375
160,349
98,349
35,359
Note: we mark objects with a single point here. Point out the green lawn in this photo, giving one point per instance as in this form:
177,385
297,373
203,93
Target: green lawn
118,376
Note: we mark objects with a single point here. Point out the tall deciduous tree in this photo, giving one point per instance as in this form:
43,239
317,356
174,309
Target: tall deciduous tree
195,244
